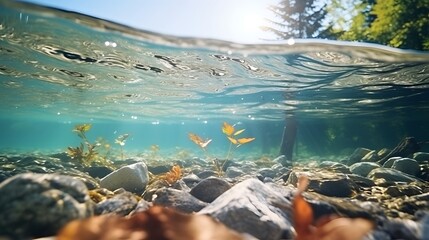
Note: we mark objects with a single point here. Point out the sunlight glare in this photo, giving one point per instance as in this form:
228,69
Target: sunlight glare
246,20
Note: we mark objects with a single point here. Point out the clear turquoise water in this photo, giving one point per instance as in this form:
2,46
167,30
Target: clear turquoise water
59,69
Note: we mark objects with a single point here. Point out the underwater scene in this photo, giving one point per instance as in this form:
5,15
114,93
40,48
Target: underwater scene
147,136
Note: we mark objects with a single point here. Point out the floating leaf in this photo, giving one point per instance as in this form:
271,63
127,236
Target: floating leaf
227,129
233,140
244,140
239,131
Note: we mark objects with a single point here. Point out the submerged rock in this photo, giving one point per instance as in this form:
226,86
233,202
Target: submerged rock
121,204
407,165
35,205
363,168
387,175
178,199
327,183
209,189
132,178
251,207
421,156
357,155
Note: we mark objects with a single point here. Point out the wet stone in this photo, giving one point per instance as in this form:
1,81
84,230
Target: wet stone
206,173
363,168
421,156
407,165
388,176
178,199
233,172
35,205
357,155
121,204
132,178
252,207
327,183
209,189
370,157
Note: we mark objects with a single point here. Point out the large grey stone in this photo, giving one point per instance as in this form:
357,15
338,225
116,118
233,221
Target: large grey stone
363,168
357,155
407,165
132,178
36,205
252,207
389,175
326,183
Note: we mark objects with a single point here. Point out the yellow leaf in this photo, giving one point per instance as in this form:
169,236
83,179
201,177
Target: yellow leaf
195,138
233,140
238,132
245,140
227,129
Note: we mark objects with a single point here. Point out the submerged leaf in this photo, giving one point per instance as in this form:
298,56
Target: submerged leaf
198,140
239,131
233,140
82,128
227,129
244,140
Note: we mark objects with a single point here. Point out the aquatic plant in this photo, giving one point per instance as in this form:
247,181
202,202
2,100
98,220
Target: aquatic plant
325,228
154,150
199,141
86,153
173,175
203,145
120,140
232,134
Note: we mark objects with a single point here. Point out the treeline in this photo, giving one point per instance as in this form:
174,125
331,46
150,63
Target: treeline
397,23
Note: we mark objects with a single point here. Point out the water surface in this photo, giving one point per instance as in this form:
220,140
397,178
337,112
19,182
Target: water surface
59,69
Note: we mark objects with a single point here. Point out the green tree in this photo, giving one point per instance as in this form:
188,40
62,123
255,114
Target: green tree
403,24
397,23
297,18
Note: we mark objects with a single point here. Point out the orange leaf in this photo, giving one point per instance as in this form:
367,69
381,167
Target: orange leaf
238,132
233,140
227,129
302,211
155,223
245,140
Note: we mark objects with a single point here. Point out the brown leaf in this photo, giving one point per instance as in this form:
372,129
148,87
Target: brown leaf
156,223
302,211
328,227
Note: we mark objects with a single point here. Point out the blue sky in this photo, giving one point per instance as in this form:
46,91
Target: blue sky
232,20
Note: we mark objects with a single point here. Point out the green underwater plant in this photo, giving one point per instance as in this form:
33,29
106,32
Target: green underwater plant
120,140
87,153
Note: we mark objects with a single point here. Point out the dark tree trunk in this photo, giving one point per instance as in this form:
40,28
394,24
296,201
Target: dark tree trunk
404,148
288,139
